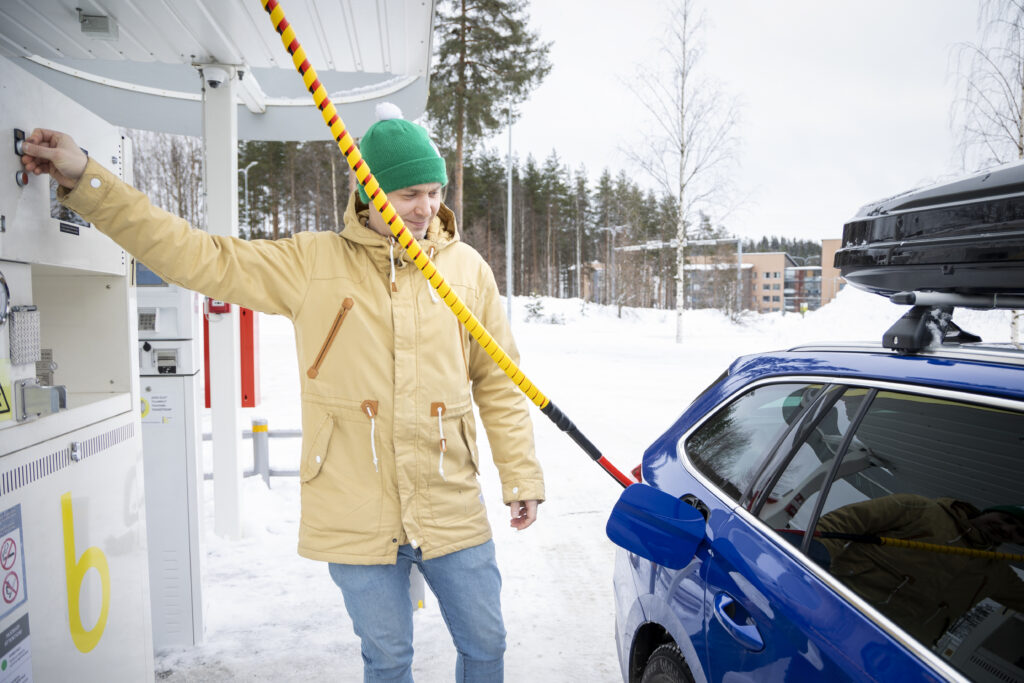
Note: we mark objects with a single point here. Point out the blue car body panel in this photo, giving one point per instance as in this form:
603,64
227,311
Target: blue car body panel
746,605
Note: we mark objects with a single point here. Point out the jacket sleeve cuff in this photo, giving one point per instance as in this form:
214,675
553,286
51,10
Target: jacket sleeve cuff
90,191
523,489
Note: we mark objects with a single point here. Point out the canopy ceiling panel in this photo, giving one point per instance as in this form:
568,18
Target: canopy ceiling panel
137,63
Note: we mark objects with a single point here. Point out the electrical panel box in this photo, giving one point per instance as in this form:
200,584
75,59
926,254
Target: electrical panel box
73,551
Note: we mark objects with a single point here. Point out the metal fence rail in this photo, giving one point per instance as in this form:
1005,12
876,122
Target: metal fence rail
260,436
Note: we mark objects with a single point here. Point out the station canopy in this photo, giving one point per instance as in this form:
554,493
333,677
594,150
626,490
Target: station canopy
137,63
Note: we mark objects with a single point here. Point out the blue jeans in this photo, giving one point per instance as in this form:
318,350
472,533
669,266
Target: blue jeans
467,586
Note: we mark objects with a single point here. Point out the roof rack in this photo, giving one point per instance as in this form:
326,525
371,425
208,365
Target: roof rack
930,320
983,301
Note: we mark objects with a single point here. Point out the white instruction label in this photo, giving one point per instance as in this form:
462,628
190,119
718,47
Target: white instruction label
16,653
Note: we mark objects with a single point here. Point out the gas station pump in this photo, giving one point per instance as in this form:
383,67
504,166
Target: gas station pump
169,364
74,580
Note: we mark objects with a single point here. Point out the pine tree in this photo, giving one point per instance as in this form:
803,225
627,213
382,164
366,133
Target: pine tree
487,59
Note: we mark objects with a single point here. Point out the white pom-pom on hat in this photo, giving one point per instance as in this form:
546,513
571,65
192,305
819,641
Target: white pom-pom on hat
388,110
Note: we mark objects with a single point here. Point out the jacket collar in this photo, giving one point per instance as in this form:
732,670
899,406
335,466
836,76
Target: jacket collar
441,233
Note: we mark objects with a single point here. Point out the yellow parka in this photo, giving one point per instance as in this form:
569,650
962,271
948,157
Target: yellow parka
379,356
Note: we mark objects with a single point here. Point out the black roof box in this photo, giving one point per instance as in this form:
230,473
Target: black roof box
965,236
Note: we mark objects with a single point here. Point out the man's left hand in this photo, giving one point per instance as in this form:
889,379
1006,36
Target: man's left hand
524,513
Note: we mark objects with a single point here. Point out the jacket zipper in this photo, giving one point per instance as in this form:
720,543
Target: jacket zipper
314,369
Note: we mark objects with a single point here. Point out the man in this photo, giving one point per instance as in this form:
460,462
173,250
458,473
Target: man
925,591
389,461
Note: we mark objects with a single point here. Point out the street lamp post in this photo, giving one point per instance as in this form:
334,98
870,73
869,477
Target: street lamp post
508,224
245,175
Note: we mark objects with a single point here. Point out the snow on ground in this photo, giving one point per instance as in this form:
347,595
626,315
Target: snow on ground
271,615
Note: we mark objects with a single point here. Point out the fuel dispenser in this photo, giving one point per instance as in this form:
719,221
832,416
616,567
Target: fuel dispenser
169,364
74,580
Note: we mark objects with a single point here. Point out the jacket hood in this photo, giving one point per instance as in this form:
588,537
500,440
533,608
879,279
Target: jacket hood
441,233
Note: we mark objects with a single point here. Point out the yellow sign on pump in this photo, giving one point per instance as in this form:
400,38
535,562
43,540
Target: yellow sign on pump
5,390
75,570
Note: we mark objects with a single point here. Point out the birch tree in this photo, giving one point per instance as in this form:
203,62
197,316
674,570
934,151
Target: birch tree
989,110
691,146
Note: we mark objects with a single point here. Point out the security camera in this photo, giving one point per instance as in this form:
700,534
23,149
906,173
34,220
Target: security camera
215,75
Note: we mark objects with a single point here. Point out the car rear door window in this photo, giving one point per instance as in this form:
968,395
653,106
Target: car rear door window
921,518
730,447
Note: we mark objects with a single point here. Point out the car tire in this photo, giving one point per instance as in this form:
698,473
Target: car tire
666,665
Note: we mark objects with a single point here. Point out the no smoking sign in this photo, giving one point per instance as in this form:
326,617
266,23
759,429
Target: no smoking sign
8,553
12,561
10,588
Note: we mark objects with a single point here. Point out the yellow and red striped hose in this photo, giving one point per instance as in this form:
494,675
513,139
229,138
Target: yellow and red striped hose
910,545
950,549
363,174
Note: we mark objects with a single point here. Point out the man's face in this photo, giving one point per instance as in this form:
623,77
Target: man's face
417,205
1000,527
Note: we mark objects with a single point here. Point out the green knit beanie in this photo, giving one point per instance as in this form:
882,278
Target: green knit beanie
399,153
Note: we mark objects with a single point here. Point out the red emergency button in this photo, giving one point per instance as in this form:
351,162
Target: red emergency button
22,178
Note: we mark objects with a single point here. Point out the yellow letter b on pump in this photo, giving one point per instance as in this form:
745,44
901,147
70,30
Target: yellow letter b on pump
75,570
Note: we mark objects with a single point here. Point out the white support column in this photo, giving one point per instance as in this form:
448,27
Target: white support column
220,132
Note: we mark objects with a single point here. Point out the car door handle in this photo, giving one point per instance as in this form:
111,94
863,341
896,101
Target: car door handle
727,610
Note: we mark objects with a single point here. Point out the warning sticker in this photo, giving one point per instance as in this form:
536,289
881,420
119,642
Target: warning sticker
13,592
5,390
16,653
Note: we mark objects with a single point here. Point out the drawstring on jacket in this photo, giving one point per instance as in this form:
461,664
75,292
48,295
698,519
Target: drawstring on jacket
370,408
391,259
438,409
433,294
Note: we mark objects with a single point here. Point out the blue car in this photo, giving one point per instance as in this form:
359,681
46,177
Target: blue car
841,512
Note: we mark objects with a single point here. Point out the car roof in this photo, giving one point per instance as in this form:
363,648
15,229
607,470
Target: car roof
990,369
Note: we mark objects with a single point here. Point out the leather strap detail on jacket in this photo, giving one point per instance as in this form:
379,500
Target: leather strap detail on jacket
346,305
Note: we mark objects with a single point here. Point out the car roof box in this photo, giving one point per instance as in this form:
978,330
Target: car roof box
965,237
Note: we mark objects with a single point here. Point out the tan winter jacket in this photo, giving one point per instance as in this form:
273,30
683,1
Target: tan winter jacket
923,591
379,354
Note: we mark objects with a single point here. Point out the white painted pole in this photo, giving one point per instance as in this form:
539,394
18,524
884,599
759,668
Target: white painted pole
220,142
508,225
245,194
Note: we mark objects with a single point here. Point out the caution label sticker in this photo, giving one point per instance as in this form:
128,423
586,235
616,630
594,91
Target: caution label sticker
13,591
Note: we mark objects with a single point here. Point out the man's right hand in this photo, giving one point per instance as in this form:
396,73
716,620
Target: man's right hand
49,151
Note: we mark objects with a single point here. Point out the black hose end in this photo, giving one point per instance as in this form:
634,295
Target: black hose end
560,419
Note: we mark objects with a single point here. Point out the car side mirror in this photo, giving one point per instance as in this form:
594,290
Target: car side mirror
656,526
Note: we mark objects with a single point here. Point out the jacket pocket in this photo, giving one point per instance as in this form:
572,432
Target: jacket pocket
468,430
346,306
314,453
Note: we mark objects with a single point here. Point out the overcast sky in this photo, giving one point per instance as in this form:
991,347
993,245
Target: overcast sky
842,102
